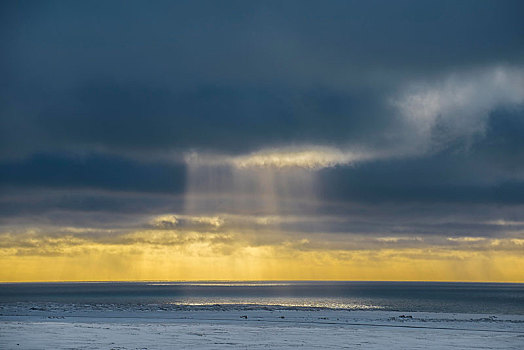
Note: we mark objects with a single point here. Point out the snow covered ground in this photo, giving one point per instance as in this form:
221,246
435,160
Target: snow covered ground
50,326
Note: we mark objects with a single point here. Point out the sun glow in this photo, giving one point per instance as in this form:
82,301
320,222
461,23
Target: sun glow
186,255
312,157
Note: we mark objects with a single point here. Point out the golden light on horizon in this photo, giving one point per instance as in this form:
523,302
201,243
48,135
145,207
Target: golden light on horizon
219,257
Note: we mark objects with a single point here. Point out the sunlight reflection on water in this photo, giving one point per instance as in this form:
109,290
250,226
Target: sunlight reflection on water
276,302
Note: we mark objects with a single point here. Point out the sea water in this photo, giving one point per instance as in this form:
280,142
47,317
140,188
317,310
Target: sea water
496,298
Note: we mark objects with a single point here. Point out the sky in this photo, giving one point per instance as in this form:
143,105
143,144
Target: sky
262,140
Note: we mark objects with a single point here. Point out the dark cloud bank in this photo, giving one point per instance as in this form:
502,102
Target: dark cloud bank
102,100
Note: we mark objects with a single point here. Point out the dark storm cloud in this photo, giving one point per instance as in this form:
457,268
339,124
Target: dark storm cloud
503,146
362,189
92,171
99,101
229,76
83,208
130,118
489,170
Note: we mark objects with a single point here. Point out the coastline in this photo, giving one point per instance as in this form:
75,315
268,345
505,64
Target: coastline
24,326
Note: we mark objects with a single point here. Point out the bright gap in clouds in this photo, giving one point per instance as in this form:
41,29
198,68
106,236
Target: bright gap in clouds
227,188
272,181
309,157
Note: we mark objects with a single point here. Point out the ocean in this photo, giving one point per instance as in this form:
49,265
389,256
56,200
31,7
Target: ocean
482,298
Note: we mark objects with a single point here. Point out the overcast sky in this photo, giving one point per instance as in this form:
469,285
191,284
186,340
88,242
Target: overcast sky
328,128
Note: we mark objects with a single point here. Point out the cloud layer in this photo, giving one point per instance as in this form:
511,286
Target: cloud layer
322,133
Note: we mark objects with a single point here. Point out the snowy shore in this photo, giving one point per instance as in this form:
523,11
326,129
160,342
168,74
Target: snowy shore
51,326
